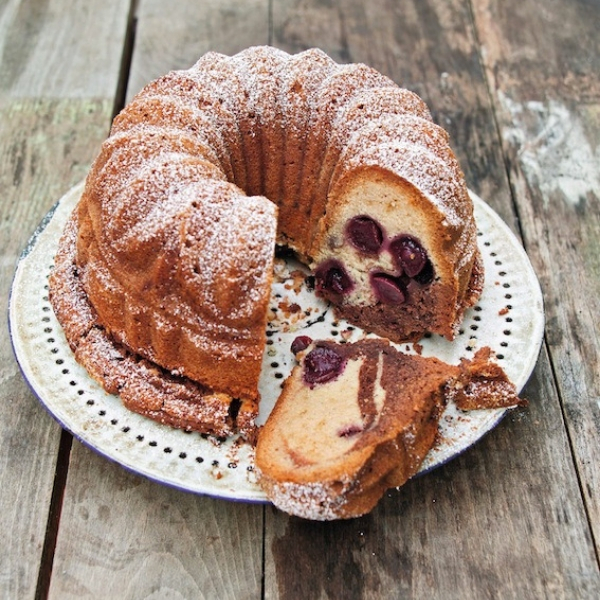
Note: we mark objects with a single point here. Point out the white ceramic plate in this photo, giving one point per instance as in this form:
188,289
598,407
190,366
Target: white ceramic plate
509,318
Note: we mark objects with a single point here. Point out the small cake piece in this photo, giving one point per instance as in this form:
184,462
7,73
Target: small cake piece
483,384
356,419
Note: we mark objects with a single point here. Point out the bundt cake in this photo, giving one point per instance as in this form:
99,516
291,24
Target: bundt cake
170,250
356,419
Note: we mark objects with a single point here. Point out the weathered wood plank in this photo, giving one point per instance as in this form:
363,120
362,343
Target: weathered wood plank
34,134
176,38
53,117
60,49
546,87
126,537
513,501
122,536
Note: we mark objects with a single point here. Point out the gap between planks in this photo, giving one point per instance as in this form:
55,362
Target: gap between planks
52,526
66,439
126,58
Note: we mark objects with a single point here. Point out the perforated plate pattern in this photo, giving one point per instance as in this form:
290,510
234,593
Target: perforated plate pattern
508,318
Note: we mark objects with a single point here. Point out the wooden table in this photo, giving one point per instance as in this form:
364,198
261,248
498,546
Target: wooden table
516,84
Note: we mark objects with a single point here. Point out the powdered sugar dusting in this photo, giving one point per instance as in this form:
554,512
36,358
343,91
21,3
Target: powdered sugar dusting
404,128
340,87
260,69
312,501
373,104
333,94
302,76
175,111
125,153
147,206
228,249
144,387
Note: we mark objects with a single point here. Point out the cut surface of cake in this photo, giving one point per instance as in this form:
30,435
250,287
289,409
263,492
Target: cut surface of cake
356,419
206,170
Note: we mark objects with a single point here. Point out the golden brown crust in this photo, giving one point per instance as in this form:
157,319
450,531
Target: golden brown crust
304,73
211,87
260,71
172,300
169,112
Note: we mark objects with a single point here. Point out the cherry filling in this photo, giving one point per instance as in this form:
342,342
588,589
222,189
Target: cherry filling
409,257
412,263
408,254
322,365
425,276
349,431
302,342
331,279
365,234
388,289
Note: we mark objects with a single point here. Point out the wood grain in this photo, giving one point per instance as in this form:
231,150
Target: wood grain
52,120
176,37
126,537
33,134
60,49
546,92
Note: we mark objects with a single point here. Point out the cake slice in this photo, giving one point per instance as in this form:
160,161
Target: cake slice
356,419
